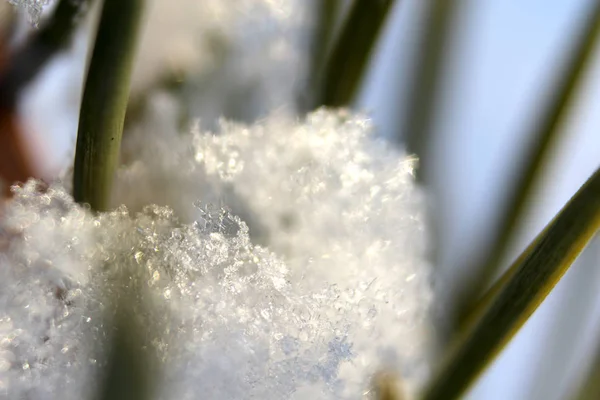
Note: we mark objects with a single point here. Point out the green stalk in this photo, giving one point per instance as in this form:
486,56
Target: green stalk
540,270
351,53
545,134
104,102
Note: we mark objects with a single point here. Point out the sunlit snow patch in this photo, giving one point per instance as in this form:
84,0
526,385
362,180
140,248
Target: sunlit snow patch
341,292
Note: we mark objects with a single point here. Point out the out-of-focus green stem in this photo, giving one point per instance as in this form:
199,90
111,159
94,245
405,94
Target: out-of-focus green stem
30,59
416,119
350,55
104,102
131,365
541,268
325,15
544,134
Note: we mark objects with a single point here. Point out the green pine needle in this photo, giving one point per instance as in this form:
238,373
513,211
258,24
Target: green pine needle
545,133
105,101
540,270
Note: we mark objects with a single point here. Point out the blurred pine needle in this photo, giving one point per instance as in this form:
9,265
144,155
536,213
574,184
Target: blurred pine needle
534,278
325,15
28,60
350,55
130,365
416,123
17,69
545,134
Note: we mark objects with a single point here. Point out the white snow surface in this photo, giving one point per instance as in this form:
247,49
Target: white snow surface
322,286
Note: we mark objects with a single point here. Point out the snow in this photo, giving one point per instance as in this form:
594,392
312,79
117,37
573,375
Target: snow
283,259
33,8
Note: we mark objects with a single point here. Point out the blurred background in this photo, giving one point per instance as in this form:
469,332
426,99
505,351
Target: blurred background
502,57
504,54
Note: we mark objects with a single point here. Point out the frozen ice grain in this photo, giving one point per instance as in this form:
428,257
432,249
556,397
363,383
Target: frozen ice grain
33,8
336,290
233,53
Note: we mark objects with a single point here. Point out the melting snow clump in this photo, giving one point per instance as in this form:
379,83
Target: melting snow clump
322,286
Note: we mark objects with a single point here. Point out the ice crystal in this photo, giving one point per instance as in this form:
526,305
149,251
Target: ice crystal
336,290
33,8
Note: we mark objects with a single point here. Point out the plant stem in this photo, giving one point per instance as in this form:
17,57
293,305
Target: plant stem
541,269
350,55
104,102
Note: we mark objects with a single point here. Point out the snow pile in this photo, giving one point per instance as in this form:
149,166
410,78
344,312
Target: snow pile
336,290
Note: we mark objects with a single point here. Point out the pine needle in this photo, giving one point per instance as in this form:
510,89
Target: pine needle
545,133
104,102
350,56
540,270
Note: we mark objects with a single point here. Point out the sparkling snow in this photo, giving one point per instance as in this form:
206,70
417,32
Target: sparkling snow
322,286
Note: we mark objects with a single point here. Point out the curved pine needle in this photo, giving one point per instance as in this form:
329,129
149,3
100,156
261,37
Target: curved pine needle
545,133
349,58
540,270
104,102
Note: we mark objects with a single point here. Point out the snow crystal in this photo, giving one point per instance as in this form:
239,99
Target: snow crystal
33,8
324,285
